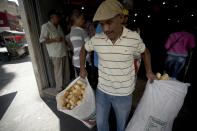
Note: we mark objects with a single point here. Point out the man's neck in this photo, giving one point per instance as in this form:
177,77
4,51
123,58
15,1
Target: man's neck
56,25
77,26
118,36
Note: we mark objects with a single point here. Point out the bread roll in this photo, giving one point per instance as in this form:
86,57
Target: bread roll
69,96
79,82
71,107
158,76
165,77
78,102
72,103
74,95
68,105
77,86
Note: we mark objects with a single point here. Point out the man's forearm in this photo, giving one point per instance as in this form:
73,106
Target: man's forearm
49,41
147,60
82,57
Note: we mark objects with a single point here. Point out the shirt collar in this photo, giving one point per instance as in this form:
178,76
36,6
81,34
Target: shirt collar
124,32
123,35
77,27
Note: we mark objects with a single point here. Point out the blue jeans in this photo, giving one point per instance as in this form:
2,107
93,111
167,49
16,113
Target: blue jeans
174,65
121,106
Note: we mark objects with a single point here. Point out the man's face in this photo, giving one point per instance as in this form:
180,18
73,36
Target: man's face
80,21
55,19
112,27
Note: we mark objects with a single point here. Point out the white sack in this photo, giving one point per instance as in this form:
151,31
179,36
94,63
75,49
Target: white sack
158,106
86,110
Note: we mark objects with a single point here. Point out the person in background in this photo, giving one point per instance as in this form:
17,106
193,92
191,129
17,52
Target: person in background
53,37
178,45
98,31
115,48
78,37
89,28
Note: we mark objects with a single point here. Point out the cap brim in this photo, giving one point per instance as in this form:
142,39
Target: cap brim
103,17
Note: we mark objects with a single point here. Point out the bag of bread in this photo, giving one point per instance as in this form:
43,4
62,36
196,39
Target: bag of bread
158,106
78,101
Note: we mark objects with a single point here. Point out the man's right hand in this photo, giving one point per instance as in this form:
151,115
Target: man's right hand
83,73
58,39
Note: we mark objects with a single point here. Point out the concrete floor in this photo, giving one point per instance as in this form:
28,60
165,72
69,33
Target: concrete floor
22,109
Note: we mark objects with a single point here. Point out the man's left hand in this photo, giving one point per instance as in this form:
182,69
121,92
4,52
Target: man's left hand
151,76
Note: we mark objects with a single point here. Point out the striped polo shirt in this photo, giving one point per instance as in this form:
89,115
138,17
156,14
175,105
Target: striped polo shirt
78,37
116,61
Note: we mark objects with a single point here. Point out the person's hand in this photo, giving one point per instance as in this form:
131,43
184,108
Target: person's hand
151,76
58,39
83,73
61,39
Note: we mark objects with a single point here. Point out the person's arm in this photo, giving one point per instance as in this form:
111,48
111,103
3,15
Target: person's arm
147,63
49,41
69,43
85,36
145,55
88,46
83,72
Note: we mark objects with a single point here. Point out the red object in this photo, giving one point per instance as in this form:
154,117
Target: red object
8,20
4,20
18,39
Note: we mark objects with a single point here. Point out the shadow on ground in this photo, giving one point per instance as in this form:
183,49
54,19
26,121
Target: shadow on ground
5,77
5,102
67,123
19,60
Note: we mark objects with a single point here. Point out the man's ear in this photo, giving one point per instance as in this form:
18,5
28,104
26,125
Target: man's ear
121,18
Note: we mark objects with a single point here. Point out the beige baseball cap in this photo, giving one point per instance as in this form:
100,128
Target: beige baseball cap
107,10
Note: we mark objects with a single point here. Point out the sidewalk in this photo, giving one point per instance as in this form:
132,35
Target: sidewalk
22,109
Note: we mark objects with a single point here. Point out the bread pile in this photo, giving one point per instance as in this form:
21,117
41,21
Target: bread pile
74,95
165,76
